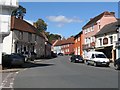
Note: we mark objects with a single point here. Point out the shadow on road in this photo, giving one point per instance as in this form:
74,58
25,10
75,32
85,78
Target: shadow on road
32,64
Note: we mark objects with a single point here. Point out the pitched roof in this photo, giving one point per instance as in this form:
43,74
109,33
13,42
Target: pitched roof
66,41
112,27
22,25
95,19
78,35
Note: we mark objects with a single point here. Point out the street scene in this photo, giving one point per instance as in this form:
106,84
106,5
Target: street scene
59,45
61,73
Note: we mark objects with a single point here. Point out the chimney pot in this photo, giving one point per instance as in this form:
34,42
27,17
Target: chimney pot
113,13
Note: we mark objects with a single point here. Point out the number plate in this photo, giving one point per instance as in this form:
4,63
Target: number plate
103,63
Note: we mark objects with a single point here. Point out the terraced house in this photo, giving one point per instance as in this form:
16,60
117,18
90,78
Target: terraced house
78,40
65,46
106,40
94,26
24,37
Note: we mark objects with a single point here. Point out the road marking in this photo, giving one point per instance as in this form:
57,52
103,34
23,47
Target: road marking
8,81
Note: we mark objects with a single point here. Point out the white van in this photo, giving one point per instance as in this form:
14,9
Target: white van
96,58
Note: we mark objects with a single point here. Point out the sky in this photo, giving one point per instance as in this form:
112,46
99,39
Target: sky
66,18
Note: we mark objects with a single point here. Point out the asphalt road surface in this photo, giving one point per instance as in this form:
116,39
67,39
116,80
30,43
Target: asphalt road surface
61,73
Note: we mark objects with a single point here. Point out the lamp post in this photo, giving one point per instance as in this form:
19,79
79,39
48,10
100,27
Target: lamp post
6,8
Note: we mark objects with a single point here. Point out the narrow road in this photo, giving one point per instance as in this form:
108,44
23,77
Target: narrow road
61,73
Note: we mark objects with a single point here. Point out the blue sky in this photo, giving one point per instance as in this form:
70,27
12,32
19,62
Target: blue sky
66,18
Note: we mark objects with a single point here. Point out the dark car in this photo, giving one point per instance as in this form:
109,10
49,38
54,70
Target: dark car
19,54
76,58
6,63
53,55
60,54
117,64
12,60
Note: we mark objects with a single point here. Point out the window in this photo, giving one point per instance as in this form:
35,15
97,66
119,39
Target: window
85,31
100,56
99,27
21,35
93,56
92,28
111,39
115,38
68,50
78,38
88,29
118,39
100,41
29,37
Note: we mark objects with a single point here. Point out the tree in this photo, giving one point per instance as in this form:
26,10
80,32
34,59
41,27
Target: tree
40,25
54,37
19,12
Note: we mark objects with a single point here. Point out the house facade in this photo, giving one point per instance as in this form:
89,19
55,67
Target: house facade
117,44
78,40
65,46
106,39
23,38
92,27
57,46
6,8
48,46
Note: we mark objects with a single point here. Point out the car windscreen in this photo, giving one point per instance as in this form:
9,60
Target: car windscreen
79,57
15,56
100,56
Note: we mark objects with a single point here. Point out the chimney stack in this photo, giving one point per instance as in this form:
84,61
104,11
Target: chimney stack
20,17
113,13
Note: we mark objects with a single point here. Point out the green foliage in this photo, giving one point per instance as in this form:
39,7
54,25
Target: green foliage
41,25
51,36
18,12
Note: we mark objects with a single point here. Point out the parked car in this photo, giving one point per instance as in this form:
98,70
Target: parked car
19,54
76,58
60,54
53,55
96,58
6,63
12,60
117,64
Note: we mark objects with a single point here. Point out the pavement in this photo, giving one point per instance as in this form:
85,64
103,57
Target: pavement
28,65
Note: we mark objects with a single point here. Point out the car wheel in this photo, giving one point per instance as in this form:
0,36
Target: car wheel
117,67
74,61
95,64
86,62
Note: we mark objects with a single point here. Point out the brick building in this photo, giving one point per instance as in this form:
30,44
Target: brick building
78,40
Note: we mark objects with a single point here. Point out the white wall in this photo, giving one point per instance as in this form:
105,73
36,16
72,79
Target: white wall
7,44
9,2
97,44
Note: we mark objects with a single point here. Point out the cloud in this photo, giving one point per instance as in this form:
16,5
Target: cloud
63,19
60,25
